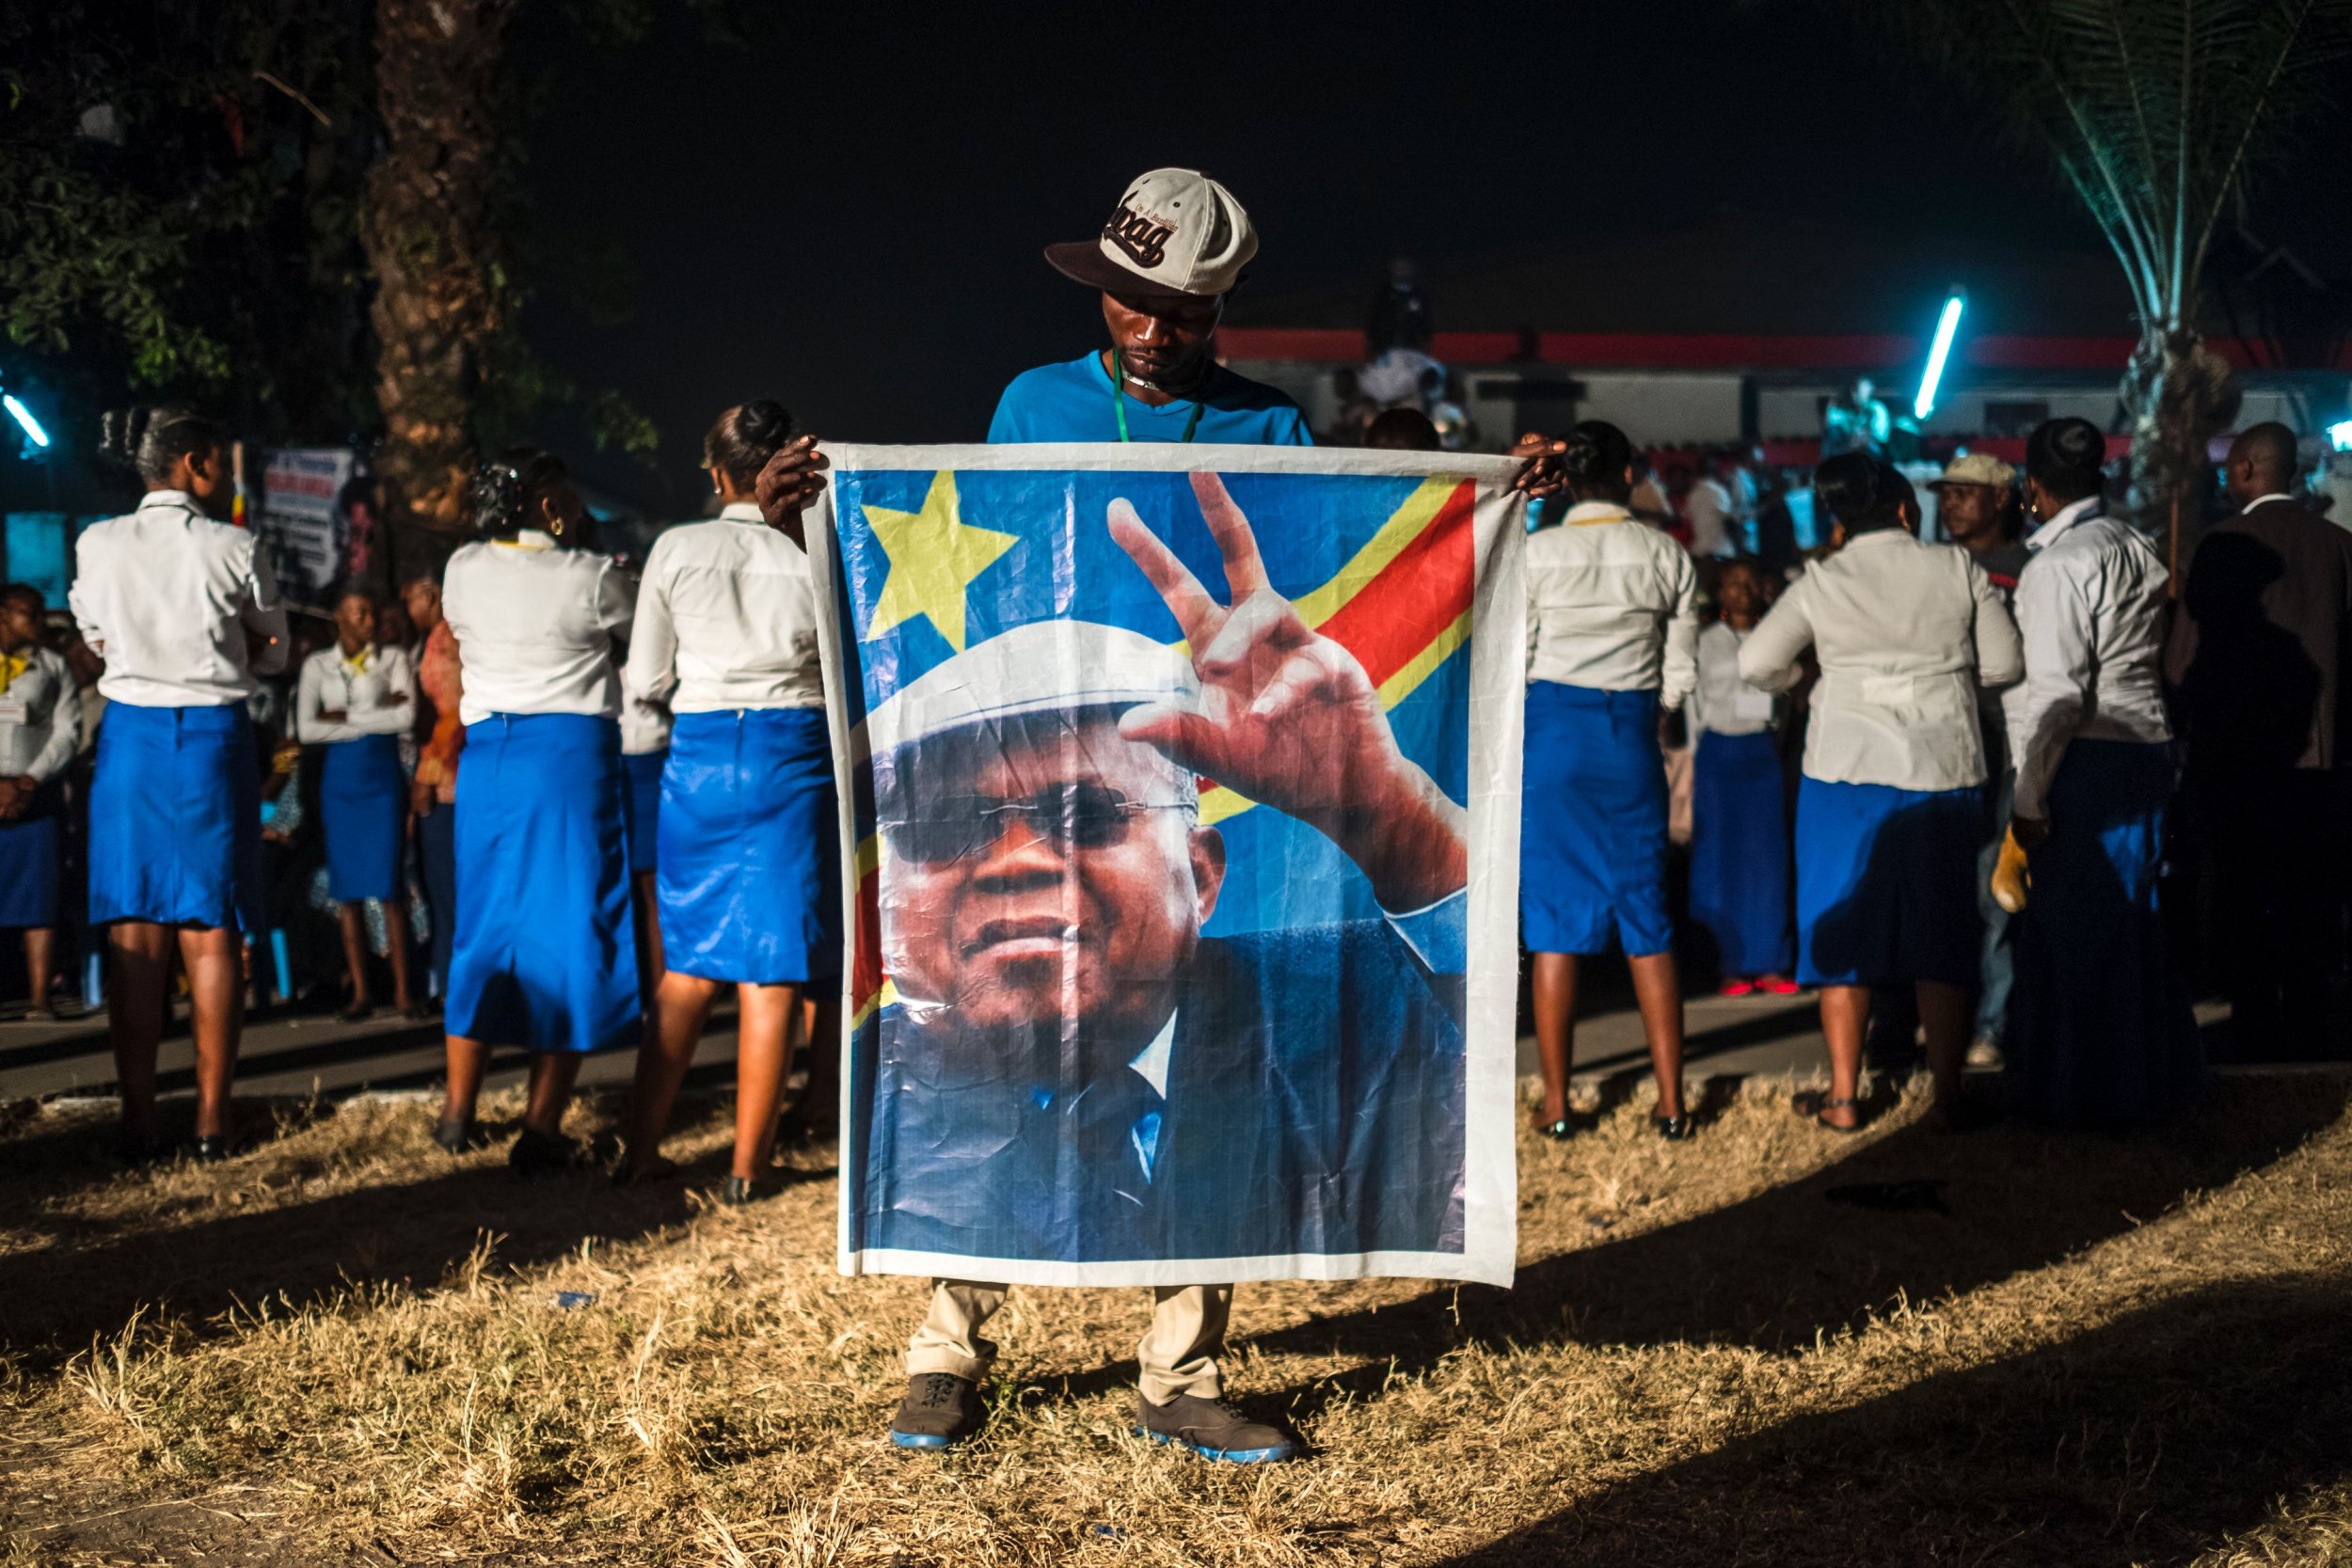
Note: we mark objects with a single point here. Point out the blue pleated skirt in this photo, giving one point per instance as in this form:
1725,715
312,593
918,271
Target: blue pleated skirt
1593,822
28,866
175,817
750,872
644,806
362,801
1740,854
542,956
2100,1031
1886,884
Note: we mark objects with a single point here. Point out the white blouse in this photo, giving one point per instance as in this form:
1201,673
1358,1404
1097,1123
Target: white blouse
363,688
727,619
2089,603
1906,633
182,607
1611,603
41,715
1723,703
536,627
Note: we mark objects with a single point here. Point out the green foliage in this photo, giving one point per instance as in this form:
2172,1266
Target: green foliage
178,194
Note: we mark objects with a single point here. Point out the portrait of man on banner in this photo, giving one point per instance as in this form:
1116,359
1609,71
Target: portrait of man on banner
1172,903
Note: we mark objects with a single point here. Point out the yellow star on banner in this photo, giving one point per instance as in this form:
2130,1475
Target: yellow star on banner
934,555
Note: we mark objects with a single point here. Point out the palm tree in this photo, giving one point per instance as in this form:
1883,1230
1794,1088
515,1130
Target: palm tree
2153,111
433,243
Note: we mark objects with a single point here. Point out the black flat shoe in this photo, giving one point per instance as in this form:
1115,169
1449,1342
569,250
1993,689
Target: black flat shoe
736,1191
538,1153
457,1137
1675,1128
355,1015
1558,1131
209,1148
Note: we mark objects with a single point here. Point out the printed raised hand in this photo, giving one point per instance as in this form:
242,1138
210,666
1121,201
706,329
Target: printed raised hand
1288,718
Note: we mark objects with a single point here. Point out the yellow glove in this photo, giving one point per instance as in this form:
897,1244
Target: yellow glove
2010,874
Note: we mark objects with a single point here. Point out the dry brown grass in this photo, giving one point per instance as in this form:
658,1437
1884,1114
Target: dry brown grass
343,1346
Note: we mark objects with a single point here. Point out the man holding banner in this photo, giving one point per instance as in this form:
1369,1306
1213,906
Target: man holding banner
1164,899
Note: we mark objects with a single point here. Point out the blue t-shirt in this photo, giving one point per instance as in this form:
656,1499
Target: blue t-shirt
1072,402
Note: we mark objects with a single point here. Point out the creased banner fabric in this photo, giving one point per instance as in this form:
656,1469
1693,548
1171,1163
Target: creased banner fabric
1181,790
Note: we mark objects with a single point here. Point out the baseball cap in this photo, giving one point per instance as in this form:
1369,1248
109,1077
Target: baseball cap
1176,233
1976,468
1044,667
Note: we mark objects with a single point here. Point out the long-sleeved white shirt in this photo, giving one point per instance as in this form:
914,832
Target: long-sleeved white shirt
727,619
362,687
40,714
535,626
182,608
1611,604
1906,633
2087,604
1722,702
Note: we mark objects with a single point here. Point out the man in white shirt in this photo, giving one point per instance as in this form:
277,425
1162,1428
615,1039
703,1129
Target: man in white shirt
1711,512
39,723
2100,1032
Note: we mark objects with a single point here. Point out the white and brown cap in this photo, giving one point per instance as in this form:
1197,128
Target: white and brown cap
1176,233
1976,468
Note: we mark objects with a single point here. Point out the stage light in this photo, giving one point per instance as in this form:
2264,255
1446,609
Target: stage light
33,432
1945,329
2340,436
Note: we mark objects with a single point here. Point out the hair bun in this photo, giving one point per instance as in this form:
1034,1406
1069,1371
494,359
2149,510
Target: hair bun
495,498
764,423
1581,460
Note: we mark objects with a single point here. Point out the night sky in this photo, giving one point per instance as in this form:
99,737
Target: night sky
848,213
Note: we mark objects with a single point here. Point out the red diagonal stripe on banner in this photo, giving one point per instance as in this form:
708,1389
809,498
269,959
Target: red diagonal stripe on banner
1415,597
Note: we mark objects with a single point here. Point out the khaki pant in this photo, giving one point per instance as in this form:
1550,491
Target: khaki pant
1178,1354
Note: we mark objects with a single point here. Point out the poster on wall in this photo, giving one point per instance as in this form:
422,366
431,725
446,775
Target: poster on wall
1181,786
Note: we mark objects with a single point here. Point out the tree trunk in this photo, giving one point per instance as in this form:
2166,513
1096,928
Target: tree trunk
427,227
2178,395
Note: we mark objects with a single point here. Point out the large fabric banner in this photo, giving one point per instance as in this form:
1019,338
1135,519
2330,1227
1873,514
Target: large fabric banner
1181,786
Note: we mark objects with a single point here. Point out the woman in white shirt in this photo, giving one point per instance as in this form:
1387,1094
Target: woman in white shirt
1611,621
749,871
1738,806
2101,1033
354,700
1890,811
184,612
542,958
41,717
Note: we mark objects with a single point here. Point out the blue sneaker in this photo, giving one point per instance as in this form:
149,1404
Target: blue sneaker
1213,1430
940,1411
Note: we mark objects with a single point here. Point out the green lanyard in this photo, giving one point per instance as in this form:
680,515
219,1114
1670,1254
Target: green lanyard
1119,401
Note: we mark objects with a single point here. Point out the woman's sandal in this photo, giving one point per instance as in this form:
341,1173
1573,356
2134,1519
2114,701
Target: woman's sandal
1818,1103
1558,1131
1675,1129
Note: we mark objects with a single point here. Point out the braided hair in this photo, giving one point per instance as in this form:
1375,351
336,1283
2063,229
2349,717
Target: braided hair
149,440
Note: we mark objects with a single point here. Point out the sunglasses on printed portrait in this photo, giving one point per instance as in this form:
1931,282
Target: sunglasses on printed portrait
1077,815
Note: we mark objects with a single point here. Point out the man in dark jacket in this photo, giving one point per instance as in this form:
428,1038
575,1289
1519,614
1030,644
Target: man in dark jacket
2259,661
